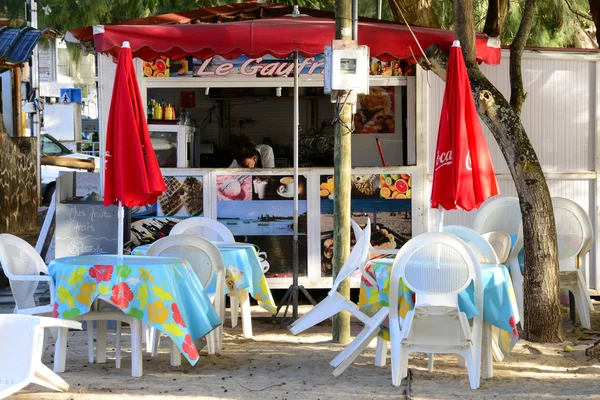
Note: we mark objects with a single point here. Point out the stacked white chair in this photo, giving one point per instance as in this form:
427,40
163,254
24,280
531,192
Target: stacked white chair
207,263
436,266
22,348
217,232
575,238
503,214
23,266
500,242
335,303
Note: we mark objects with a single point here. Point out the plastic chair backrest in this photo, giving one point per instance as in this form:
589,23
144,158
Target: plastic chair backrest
204,257
435,263
20,258
358,258
573,228
21,341
499,214
204,227
482,248
500,241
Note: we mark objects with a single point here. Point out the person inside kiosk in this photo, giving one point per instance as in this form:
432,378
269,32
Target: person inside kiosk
247,154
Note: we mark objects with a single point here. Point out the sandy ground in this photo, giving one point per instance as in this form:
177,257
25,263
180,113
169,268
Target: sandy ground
274,364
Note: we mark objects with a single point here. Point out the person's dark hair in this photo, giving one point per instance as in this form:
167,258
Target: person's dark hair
244,150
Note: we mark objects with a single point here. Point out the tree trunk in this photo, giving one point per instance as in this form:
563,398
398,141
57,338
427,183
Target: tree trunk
342,166
595,11
542,308
542,320
495,18
416,12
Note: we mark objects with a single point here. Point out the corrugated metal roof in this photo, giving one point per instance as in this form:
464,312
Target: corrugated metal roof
16,44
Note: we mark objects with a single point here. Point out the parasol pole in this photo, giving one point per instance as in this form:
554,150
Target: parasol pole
120,218
439,223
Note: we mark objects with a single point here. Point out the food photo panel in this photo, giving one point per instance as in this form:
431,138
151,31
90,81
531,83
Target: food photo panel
234,187
375,112
277,187
184,197
384,199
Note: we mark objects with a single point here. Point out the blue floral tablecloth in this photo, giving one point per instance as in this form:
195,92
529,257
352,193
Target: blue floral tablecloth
242,272
499,308
162,292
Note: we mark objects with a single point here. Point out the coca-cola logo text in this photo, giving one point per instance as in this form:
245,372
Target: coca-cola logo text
443,159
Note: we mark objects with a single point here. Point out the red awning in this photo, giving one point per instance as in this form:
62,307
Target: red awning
279,37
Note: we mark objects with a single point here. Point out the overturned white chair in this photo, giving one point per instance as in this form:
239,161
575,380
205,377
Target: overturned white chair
22,348
335,303
207,263
436,266
575,237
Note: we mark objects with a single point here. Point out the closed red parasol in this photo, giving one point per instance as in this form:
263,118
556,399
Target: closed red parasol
463,175
132,176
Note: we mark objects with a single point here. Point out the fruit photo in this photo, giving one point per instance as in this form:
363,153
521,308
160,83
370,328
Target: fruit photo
395,186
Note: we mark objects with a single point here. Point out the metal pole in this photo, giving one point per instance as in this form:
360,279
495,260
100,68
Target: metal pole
35,117
379,9
295,250
354,19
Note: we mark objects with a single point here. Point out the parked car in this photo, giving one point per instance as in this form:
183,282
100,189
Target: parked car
52,147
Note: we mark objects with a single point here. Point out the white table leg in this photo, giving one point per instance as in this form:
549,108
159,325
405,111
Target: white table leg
175,355
487,366
381,352
101,341
136,348
246,316
60,350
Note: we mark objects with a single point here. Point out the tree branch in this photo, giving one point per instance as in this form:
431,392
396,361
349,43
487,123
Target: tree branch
517,94
589,18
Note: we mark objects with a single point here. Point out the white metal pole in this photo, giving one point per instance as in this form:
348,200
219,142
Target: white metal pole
378,9
354,19
120,218
35,120
295,249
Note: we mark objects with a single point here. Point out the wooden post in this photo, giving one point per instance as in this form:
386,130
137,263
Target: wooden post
19,129
342,170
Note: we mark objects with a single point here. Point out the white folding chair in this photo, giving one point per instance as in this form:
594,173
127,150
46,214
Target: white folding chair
207,262
436,266
504,214
575,238
217,232
22,348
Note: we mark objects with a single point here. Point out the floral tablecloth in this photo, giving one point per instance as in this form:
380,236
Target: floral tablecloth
162,292
499,308
242,272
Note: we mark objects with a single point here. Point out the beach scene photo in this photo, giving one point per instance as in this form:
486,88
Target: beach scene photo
273,217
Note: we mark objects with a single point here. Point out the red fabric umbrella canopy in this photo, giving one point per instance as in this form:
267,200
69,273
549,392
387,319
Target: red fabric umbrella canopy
279,37
463,175
132,174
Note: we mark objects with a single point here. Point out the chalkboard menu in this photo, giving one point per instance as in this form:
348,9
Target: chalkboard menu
86,226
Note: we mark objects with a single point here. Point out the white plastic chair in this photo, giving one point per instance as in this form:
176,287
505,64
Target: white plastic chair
335,303
21,346
207,228
23,266
504,214
575,238
217,232
501,242
436,266
207,262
